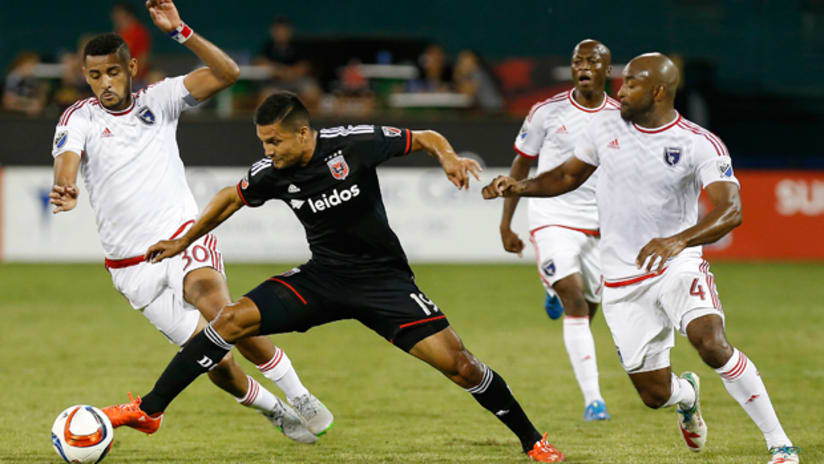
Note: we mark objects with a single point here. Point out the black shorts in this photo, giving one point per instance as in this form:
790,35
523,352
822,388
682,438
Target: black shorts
389,303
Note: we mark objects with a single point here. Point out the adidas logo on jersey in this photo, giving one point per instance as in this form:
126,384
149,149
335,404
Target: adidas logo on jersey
330,200
293,188
614,144
562,129
106,133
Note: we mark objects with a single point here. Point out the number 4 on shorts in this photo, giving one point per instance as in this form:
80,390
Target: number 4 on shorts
697,289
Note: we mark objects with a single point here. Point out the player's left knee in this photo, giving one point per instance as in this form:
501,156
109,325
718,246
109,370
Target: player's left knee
468,369
714,349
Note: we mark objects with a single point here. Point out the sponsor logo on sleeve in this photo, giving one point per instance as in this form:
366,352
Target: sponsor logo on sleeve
60,139
725,168
244,183
146,115
391,131
523,132
672,155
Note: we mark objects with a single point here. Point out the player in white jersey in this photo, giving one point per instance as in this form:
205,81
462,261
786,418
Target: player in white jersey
125,148
653,164
564,229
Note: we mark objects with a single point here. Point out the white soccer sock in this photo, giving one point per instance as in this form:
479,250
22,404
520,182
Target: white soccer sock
581,349
257,397
681,393
743,382
279,370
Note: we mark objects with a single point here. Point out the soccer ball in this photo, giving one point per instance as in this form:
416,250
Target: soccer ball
82,434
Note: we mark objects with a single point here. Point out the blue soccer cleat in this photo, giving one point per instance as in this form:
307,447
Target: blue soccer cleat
552,305
596,411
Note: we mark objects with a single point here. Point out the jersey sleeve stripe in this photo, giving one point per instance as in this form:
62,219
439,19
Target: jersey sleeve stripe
554,99
525,155
240,194
719,149
64,119
408,141
709,135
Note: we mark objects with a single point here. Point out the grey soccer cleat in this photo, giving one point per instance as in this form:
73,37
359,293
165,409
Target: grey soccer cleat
318,418
287,421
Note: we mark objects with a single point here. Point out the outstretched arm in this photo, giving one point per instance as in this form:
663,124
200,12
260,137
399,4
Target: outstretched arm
220,71
513,243
222,205
64,191
457,169
725,216
566,177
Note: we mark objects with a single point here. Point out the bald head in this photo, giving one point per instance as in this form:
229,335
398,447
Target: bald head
590,68
593,46
657,69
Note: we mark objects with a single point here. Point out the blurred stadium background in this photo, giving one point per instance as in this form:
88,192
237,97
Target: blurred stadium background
751,72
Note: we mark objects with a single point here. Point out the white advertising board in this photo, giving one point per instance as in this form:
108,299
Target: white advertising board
435,222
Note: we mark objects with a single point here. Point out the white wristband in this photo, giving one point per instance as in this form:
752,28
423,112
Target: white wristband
181,33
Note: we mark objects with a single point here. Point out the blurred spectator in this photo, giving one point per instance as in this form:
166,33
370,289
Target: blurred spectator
472,79
23,92
290,69
72,86
351,94
435,72
136,35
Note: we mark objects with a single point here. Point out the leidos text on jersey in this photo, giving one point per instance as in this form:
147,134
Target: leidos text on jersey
334,199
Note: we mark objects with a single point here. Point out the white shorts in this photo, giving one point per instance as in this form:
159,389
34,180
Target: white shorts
643,316
156,290
561,252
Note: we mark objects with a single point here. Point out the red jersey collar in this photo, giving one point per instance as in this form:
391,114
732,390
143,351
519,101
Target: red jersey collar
584,108
656,130
121,112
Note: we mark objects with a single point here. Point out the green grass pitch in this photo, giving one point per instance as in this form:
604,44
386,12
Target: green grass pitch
68,337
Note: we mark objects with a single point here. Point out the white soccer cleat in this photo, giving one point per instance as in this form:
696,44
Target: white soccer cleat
784,455
692,425
287,421
317,416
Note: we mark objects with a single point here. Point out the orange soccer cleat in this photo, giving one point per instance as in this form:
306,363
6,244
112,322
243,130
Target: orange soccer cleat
131,415
543,451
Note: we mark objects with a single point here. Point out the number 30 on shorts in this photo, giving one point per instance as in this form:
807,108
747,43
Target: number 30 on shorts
425,303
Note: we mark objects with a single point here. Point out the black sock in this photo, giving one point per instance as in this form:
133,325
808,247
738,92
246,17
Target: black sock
201,354
493,393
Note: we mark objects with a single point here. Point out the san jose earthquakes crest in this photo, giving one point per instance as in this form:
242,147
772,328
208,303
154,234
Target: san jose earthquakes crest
672,155
337,166
548,267
146,115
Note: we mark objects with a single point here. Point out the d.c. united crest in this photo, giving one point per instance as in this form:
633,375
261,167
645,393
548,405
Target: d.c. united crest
338,167
672,155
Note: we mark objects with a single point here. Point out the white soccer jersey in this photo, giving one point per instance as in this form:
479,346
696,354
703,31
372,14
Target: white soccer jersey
131,165
649,184
549,133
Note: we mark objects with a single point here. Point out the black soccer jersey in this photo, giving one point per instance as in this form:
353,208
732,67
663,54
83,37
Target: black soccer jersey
337,197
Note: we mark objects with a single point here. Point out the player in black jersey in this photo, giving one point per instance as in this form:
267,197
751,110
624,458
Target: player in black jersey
358,269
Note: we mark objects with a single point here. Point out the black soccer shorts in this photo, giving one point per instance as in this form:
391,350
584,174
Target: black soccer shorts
389,303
